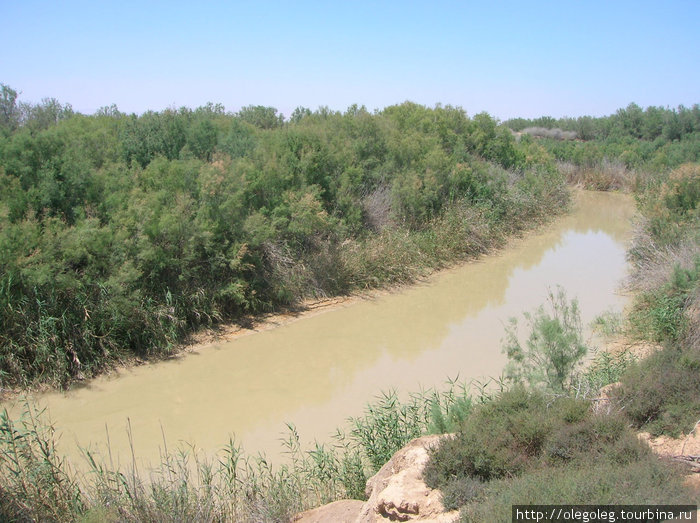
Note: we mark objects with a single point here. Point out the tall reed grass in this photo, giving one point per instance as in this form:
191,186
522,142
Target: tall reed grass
604,175
36,484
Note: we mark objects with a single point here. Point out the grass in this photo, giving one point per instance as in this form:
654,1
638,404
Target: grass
604,369
35,484
187,485
609,324
604,175
511,446
661,394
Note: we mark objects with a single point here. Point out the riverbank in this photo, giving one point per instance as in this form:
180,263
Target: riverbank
145,249
326,368
306,469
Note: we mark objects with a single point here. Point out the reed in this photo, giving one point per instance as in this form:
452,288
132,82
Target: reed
189,485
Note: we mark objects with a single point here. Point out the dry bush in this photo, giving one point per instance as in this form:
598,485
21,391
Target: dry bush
555,134
653,264
377,209
608,175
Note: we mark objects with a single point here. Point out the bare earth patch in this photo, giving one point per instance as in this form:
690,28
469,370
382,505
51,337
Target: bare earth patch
685,449
343,511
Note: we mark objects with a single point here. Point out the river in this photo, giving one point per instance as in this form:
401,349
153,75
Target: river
320,369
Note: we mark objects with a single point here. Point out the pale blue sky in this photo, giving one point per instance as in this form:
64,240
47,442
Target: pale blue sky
527,58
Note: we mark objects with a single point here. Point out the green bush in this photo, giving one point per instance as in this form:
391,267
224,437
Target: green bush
524,447
554,348
646,481
605,368
671,205
457,492
662,312
661,394
500,438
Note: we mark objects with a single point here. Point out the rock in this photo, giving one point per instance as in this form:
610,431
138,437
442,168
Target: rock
398,493
343,511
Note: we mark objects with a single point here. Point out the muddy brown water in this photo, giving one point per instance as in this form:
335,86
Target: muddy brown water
319,370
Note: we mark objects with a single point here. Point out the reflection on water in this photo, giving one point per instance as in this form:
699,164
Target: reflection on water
320,370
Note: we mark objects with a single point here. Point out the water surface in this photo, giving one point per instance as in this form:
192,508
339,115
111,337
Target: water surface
318,371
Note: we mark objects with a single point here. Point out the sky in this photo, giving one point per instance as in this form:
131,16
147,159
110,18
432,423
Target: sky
510,59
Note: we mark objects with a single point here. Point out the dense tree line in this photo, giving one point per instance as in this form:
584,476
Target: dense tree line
122,233
655,138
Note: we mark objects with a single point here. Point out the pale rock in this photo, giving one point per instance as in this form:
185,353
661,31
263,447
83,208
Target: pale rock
398,493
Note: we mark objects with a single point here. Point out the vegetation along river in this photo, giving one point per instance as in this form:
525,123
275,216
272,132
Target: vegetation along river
321,369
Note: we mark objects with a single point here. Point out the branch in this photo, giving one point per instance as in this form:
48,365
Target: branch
689,434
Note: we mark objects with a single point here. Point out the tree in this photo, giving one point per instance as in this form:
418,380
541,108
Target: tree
554,348
41,116
299,114
9,114
261,116
202,138
631,119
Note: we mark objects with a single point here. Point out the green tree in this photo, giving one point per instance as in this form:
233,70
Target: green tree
261,116
45,114
9,114
202,138
554,348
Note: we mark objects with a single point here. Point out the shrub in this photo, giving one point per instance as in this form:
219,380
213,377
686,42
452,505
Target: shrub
528,435
647,481
598,437
672,206
605,368
500,438
661,393
460,491
553,349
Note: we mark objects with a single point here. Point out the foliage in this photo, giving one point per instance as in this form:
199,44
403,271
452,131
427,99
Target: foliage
554,347
525,447
605,368
661,394
608,323
389,423
522,431
621,151
121,234
9,112
645,481
671,205
660,314
188,485
632,122
35,485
